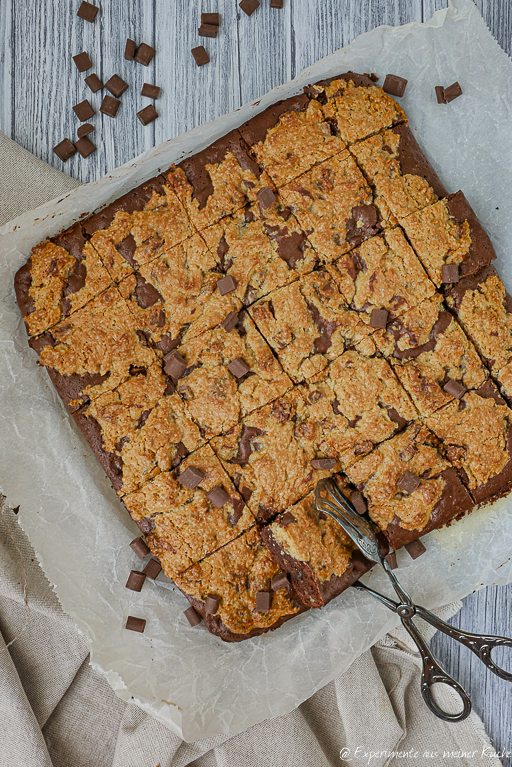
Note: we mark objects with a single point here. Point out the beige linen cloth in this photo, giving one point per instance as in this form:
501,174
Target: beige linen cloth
56,711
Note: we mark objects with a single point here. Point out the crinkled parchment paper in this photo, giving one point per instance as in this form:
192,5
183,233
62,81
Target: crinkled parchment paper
188,679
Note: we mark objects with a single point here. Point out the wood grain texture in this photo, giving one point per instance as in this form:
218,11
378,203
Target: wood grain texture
39,83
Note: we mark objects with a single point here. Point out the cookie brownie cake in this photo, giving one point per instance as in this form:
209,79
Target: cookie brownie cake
302,299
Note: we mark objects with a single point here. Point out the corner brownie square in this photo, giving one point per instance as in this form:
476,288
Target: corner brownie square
61,275
409,486
190,512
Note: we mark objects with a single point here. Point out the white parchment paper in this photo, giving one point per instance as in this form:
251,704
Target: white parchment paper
188,679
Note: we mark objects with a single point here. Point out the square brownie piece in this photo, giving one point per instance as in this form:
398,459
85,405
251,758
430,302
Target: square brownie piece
289,137
400,174
334,206
61,275
409,486
235,576
139,430
431,355
190,512
94,350
308,324
382,273
448,234
476,436
217,181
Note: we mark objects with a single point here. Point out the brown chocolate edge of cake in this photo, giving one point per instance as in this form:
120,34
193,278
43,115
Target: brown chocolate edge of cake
481,250
132,201
458,290
499,485
413,161
112,463
255,130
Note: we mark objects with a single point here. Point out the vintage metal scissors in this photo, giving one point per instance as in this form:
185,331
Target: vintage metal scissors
364,533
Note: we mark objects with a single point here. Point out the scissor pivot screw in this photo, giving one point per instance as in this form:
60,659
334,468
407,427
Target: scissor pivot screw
405,611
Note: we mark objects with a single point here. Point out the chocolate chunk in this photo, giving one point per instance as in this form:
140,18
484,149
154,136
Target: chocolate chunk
192,616
245,492
109,106
65,149
238,368
290,247
415,548
391,558
127,248
226,285
449,273
452,92
276,3
229,322
279,581
287,519
87,11
262,597
488,390
324,464
191,477
379,318
358,502
238,508
394,85
167,344
135,580
147,115
396,417
144,54
151,91
140,547
129,50
153,569
208,30
455,388
210,18
146,525
211,604
135,624
83,110
408,482
266,197
85,146
94,82
440,94
363,223
175,365
82,61
145,294
244,444
323,342
116,85
200,55
83,130
249,6
218,496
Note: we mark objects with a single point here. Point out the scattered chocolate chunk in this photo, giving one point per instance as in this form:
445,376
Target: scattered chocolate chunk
266,197
379,318
85,146
140,547
175,365
191,477
87,11
391,558
276,3
83,110
208,30
146,525
135,580
211,604
218,496
144,54
200,55
226,285
109,106
325,464
287,519
82,61
192,616
238,510
153,569
129,50
358,502
116,85
147,115
455,388
238,367
210,18
415,548
94,82
263,598
408,482
249,6
151,91
145,294
452,92
440,94
363,223
394,85
450,273
65,149
83,130
135,624
229,322
279,581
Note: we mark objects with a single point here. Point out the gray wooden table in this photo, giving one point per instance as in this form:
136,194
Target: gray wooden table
39,83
